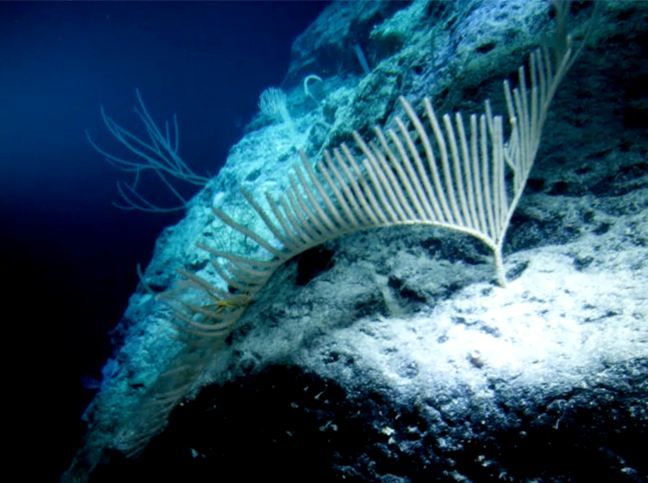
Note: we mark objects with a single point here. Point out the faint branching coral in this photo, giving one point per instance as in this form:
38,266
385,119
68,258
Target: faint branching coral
273,102
158,155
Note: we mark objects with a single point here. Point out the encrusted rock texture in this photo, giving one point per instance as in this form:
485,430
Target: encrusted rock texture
391,355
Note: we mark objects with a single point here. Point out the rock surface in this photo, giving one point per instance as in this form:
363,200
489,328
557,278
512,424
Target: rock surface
390,355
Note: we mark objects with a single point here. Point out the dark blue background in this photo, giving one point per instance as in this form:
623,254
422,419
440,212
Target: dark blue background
68,256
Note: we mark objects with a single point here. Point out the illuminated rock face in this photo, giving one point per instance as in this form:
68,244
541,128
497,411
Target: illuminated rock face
395,360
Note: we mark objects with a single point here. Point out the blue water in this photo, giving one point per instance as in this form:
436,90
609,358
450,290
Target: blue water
69,256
